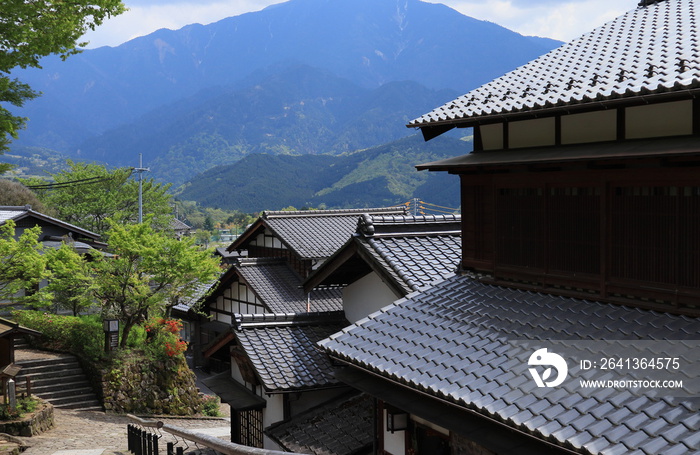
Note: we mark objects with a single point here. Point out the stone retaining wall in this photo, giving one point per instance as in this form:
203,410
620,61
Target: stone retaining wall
32,424
166,388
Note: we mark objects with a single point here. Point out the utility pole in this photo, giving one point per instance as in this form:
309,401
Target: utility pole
141,170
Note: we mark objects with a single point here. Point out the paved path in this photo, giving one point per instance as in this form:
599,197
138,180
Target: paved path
98,433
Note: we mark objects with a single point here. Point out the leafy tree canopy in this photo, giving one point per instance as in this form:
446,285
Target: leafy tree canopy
23,265
86,195
149,272
71,281
14,193
30,30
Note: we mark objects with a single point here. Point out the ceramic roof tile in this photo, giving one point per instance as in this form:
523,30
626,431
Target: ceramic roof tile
490,318
285,357
279,287
17,213
315,234
651,49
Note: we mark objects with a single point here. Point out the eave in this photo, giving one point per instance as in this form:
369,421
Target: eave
601,151
435,128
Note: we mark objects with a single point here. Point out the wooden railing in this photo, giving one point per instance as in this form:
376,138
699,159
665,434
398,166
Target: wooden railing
224,447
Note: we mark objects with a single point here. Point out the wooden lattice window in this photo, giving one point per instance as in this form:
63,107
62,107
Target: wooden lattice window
519,227
654,237
573,230
247,428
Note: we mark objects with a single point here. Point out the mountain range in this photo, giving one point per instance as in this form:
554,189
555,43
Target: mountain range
376,177
297,78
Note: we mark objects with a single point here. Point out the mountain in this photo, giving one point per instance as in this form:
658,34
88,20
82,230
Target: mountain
289,110
376,177
368,42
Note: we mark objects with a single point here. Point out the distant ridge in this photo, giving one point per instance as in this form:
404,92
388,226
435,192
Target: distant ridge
368,42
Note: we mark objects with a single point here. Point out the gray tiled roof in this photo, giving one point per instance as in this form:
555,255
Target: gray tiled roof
179,225
455,343
652,49
340,427
280,288
18,213
415,250
315,234
284,351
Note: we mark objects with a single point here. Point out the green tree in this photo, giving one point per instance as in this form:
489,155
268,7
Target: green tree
14,193
149,271
71,281
30,30
88,194
23,265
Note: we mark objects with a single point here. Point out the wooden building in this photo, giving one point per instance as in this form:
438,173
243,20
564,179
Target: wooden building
580,223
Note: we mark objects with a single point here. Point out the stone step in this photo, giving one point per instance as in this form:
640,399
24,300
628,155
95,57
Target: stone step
72,399
64,392
53,375
60,386
43,362
60,380
48,381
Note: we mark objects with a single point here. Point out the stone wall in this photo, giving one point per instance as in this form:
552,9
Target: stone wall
32,424
151,388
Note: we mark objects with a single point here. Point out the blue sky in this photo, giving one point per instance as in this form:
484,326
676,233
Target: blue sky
560,19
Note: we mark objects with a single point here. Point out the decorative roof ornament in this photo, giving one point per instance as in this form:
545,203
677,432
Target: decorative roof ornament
649,2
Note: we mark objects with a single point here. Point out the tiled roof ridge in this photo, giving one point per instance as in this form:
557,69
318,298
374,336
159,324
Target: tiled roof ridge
16,207
339,212
245,321
647,51
367,224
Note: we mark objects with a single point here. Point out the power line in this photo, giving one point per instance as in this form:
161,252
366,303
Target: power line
434,210
79,182
440,206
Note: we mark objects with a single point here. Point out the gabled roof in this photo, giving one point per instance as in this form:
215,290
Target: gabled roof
21,213
468,344
283,349
179,225
279,287
10,328
408,252
652,51
311,234
343,426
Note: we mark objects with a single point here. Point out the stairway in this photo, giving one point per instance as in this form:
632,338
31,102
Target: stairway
60,380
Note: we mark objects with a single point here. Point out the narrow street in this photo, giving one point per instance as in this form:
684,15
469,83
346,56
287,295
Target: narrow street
98,433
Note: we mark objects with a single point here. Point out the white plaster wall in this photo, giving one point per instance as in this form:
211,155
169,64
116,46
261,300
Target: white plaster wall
236,373
268,241
596,126
492,136
531,133
394,443
659,120
274,411
366,296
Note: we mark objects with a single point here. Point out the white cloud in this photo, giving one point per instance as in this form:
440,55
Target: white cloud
562,20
